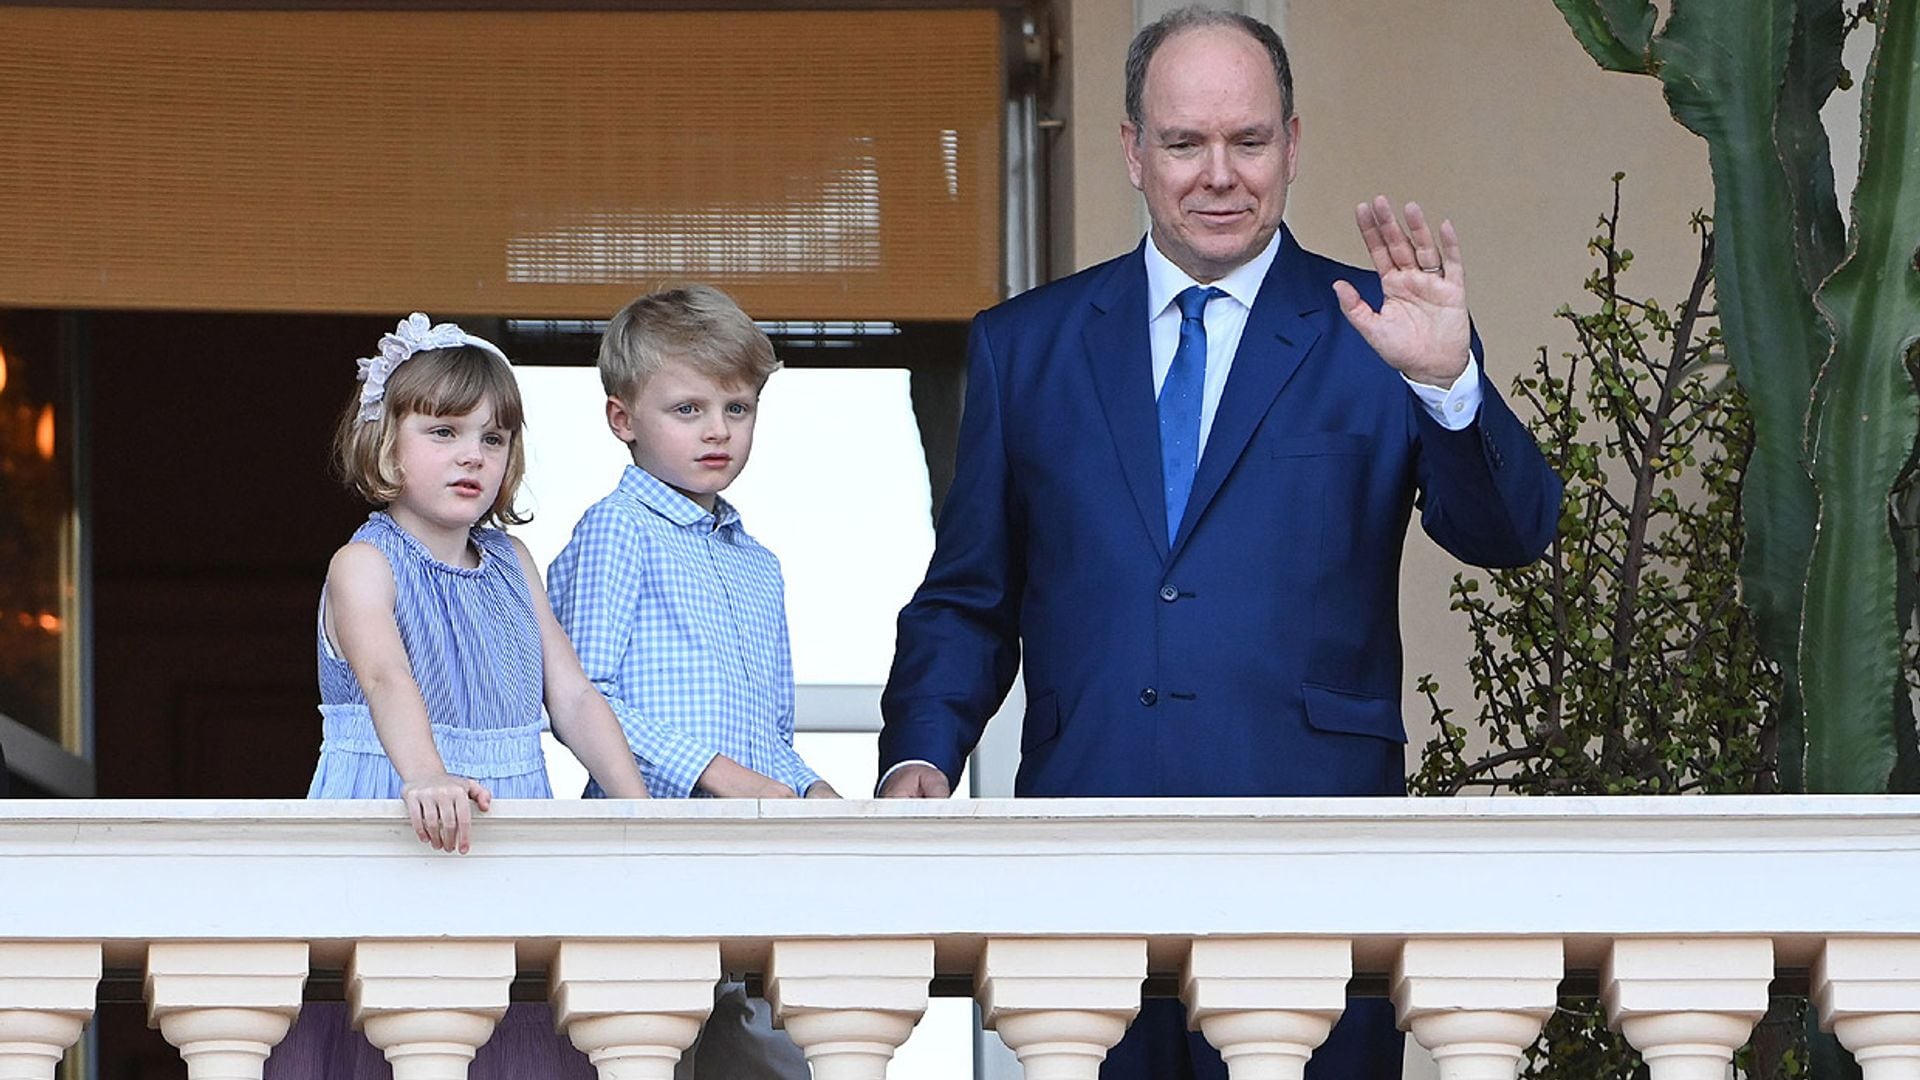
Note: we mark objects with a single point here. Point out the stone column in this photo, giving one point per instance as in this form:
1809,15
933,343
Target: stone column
849,1004
46,996
224,1004
1687,1003
1265,1003
1868,994
633,1007
429,1005
1477,1004
1061,1003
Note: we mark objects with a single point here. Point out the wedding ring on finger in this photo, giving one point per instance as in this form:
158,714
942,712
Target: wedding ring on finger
1431,269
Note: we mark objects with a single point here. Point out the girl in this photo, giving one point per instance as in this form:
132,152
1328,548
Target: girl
437,649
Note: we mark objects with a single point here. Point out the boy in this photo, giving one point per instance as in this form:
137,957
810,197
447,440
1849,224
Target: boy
678,615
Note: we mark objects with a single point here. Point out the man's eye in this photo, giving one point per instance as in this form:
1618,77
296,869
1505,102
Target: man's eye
684,410
737,409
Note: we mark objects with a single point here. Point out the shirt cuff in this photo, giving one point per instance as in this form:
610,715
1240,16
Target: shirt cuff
670,762
1452,407
888,775
798,775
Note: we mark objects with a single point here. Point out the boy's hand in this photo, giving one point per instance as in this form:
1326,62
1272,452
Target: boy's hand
440,808
728,779
820,789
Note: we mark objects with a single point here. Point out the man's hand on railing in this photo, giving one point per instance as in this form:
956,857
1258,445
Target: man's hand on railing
440,807
915,781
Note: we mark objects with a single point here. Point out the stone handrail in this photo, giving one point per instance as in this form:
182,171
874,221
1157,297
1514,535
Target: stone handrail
1469,913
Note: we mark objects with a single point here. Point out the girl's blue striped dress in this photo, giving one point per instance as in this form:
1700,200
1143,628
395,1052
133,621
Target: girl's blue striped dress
474,644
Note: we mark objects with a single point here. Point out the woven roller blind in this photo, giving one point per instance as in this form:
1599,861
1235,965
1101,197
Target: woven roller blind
819,164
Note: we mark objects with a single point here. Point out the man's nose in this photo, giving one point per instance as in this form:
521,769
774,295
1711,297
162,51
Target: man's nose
1218,170
717,429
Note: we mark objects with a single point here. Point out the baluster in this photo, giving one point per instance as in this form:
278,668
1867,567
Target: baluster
1687,1003
1868,994
849,1004
226,1005
1266,1003
429,1005
46,997
1477,1004
633,1007
1061,1003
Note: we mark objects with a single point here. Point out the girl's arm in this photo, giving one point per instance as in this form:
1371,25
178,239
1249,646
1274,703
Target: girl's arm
581,718
359,619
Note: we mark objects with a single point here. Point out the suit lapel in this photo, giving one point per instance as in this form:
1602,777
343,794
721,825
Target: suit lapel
1281,328
1122,366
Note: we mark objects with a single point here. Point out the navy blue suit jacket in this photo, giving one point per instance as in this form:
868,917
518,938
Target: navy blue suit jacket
1255,652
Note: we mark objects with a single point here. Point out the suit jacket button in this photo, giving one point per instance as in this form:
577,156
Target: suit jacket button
1169,593
1149,696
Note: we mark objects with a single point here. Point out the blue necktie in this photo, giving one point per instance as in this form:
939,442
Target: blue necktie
1180,404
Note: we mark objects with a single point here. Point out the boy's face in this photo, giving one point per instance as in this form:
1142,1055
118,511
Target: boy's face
691,433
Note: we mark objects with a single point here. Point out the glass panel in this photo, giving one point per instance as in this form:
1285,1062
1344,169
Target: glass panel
39,653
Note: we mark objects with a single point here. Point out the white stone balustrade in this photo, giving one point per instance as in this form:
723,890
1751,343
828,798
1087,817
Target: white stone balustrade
225,1004
1868,993
46,995
1687,1003
1465,910
1477,1003
633,1007
429,1005
849,1004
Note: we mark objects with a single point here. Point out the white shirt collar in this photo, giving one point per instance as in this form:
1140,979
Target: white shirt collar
1166,281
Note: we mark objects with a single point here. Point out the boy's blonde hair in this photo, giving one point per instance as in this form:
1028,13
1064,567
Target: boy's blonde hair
436,382
695,325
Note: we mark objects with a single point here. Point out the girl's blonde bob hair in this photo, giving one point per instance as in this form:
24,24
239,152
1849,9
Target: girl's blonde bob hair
436,382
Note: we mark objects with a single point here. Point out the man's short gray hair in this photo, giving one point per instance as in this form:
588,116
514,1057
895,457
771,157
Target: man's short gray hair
1194,17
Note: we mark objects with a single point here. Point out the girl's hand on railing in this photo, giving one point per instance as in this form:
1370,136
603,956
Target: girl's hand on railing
441,809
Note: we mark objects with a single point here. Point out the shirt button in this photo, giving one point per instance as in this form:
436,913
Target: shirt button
1459,405
1169,593
1149,696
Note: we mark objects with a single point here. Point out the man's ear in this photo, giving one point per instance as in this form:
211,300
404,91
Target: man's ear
1130,148
619,420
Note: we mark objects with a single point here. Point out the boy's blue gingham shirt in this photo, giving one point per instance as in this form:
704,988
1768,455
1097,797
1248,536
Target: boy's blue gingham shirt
680,619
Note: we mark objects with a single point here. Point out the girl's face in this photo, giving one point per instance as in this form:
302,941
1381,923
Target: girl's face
451,467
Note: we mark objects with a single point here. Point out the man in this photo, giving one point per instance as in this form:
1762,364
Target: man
1183,484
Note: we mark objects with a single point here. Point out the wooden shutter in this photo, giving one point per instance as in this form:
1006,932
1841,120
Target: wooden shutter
818,164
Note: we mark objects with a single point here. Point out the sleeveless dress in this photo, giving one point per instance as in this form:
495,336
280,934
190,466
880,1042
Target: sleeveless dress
474,645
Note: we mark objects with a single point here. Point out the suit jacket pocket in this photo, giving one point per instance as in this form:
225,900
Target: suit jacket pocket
1353,713
1041,725
1318,444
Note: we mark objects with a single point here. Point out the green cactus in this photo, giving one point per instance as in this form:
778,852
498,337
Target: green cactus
1866,417
1749,77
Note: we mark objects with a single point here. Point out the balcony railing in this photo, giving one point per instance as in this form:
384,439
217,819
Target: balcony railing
1260,914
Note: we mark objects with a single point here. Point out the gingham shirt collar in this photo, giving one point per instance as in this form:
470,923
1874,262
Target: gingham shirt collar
649,491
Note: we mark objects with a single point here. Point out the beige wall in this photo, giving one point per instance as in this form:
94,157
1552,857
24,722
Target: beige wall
1484,111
